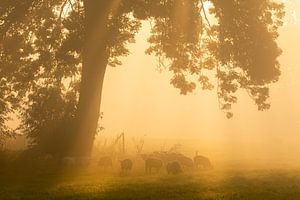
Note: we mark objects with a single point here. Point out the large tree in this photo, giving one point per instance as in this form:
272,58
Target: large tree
54,53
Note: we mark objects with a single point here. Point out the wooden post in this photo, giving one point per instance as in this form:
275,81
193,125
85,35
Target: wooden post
123,142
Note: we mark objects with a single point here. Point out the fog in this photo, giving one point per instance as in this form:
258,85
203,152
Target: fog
139,100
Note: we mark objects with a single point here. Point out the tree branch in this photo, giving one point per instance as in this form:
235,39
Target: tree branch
204,13
62,9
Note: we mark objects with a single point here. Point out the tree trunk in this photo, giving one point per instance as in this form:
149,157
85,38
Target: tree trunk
95,59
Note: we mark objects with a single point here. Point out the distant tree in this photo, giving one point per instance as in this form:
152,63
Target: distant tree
5,132
54,53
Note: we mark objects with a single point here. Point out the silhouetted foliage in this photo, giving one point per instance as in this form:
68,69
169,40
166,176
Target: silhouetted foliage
53,54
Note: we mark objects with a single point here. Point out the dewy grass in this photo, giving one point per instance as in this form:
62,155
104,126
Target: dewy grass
250,185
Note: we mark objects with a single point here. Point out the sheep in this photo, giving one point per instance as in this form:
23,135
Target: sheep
202,162
173,168
185,161
152,163
168,157
126,165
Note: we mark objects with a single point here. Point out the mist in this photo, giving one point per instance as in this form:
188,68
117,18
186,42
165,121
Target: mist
146,106
150,99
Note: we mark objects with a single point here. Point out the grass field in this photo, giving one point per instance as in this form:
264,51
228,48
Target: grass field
213,185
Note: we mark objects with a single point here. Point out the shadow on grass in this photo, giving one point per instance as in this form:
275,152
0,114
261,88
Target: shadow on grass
236,186
32,182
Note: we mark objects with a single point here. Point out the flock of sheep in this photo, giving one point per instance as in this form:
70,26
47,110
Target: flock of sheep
174,162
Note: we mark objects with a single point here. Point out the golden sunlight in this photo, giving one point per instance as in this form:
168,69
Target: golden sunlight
150,99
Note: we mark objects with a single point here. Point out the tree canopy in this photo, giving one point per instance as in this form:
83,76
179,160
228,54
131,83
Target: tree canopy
42,45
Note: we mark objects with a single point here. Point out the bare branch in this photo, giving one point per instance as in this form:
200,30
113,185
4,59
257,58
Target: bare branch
62,9
204,13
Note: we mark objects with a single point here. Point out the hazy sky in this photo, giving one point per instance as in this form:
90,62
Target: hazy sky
139,100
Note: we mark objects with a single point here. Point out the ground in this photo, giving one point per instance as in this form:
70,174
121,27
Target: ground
209,185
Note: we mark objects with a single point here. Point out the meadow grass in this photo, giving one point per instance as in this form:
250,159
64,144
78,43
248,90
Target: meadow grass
209,185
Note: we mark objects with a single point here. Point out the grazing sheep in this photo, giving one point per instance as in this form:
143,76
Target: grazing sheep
126,165
174,168
185,161
168,157
202,162
105,162
153,163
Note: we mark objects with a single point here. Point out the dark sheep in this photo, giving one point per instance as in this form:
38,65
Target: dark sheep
202,162
185,161
174,168
126,165
153,163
